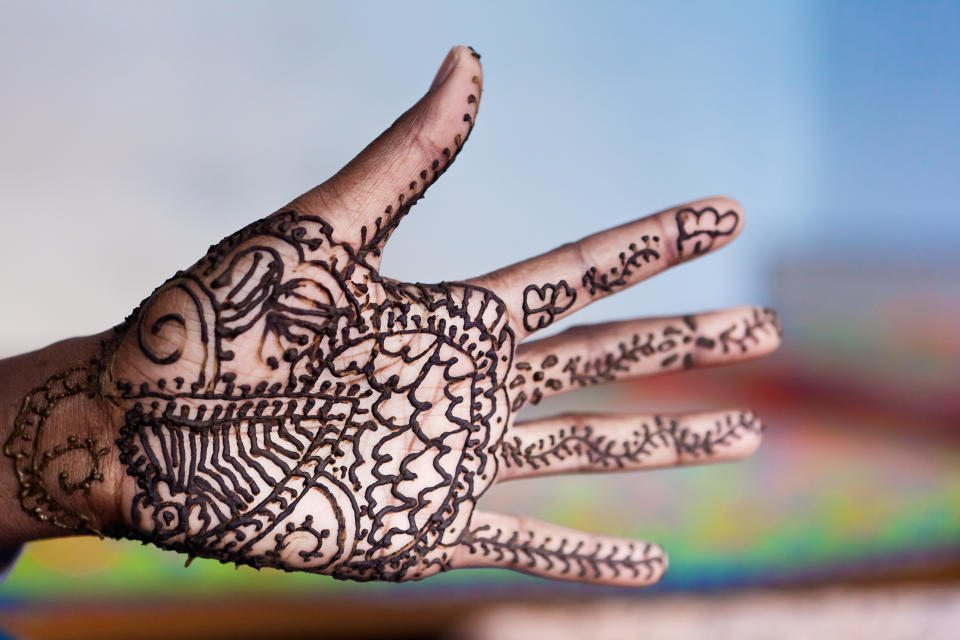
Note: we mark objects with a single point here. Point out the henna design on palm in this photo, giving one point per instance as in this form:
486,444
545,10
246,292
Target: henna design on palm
286,405
322,417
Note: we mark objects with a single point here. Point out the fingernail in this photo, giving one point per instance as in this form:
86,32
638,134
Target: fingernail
449,63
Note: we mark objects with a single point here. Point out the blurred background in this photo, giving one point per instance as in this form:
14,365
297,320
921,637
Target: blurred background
134,135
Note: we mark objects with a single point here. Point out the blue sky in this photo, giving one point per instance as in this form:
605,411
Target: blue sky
134,135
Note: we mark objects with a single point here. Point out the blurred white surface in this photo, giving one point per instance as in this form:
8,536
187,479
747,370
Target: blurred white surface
872,614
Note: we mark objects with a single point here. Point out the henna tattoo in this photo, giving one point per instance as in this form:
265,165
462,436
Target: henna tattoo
674,345
372,240
697,230
580,372
598,451
37,459
354,442
637,560
595,281
541,305
741,336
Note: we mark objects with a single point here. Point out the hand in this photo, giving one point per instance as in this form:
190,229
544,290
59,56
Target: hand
281,403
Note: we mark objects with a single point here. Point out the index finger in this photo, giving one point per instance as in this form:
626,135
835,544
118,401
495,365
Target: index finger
543,289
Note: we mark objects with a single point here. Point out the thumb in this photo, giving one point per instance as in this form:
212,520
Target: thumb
376,189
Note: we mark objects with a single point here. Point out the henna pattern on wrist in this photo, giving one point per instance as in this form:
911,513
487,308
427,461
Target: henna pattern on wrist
542,304
47,468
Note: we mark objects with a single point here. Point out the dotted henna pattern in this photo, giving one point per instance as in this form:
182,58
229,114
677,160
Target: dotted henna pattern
672,347
37,458
355,444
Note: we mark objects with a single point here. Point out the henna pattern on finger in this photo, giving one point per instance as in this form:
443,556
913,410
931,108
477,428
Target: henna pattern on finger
372,240
542,304
740,337
698,229
630,261
527,551
595,450
674,346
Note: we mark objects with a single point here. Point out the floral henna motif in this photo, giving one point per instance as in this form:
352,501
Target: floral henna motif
355,442
541,305
372,240
699,228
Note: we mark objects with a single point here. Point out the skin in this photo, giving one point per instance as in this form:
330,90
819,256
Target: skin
281,403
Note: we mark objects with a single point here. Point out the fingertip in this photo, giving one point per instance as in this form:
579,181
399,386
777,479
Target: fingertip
446,68
753,431
774,320
704,225
767,323
726,202
660,568
747,332
461,62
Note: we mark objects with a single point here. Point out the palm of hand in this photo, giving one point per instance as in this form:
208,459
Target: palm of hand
296,410
287,406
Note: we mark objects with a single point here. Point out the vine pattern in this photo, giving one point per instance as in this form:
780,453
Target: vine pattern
597,451
674,346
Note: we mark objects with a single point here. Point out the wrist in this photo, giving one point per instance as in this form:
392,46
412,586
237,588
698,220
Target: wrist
59,473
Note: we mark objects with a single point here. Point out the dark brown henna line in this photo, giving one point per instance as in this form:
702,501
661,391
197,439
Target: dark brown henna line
630,261
744,335
672,345
31,463
703,238
155,329
450,332
385,224
600,451
542,304
520,553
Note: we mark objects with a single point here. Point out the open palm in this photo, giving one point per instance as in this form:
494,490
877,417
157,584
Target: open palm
286,405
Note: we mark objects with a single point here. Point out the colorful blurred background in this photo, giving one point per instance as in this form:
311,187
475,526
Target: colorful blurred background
136,134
